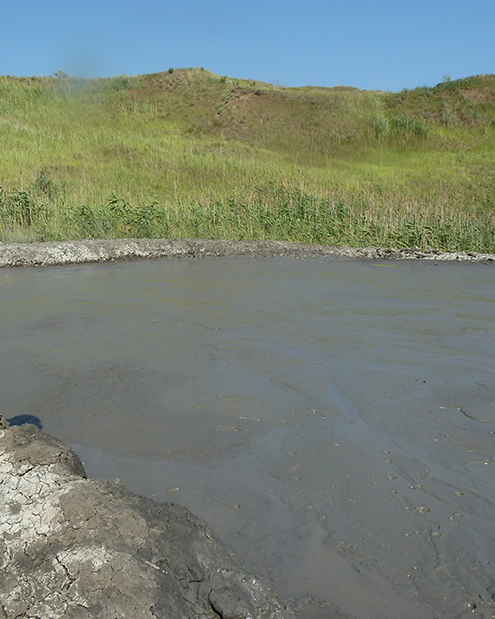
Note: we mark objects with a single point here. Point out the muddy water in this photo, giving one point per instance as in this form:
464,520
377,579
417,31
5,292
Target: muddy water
332,420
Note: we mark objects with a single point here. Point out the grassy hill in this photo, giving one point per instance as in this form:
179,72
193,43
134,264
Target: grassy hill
187,153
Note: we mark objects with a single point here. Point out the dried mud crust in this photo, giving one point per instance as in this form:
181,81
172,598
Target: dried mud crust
76,548
93,251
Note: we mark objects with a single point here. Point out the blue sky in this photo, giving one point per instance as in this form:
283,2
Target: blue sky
382,45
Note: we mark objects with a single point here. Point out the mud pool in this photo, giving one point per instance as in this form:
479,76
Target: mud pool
333,420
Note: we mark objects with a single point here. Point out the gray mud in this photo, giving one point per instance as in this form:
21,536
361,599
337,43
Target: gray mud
93,250
331,418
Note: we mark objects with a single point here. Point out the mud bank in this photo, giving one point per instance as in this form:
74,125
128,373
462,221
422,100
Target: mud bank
73,547
92,251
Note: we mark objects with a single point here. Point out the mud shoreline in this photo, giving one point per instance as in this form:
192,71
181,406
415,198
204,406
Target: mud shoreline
94,251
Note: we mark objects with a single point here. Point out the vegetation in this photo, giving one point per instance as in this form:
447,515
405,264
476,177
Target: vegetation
186,153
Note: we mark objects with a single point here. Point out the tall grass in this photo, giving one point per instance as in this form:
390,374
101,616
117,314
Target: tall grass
266,211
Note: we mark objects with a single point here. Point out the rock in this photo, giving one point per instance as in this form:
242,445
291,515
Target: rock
78,548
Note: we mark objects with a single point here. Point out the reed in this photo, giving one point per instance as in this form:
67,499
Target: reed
267,211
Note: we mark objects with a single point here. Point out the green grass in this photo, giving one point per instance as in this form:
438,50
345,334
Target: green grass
190,154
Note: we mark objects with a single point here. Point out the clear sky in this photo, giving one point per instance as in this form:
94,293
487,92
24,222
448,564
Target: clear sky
375,45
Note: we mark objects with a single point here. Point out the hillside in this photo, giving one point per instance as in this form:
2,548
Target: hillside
189,153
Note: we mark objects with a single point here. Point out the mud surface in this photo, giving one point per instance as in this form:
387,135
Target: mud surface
74,548
79,252
331,418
